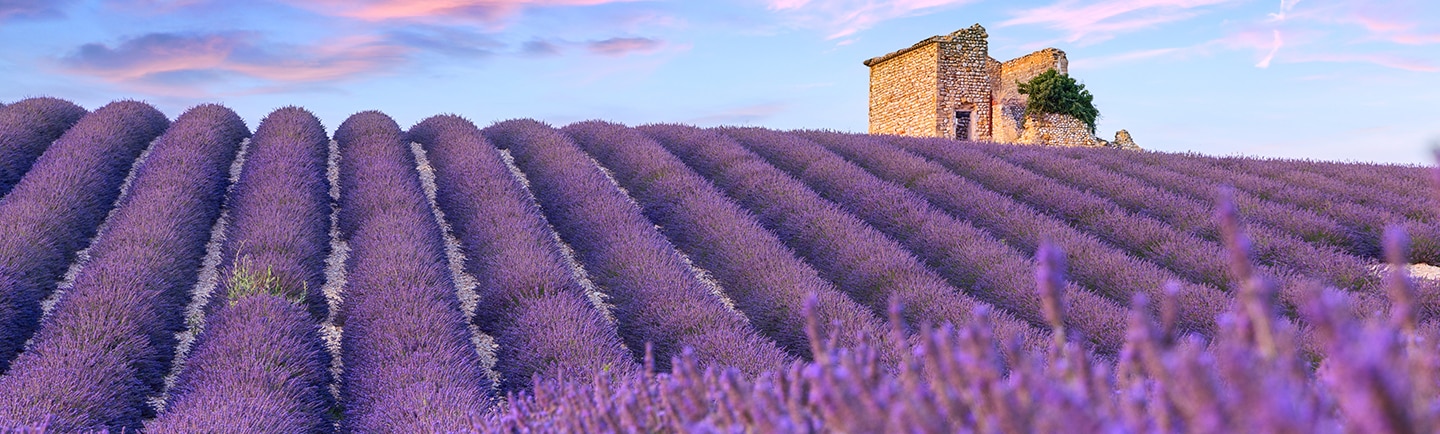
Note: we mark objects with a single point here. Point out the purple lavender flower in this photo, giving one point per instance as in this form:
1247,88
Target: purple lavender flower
59,204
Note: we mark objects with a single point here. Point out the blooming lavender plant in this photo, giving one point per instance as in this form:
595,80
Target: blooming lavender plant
1098,264
1272,247
764,278
871,268
1288,218
108,344
529,300
409,363
657,298
59,204
280,209
258,365
27,127
1197,259
1362,197
968,257
1251,378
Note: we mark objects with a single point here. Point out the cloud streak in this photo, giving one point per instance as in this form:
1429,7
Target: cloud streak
156,58
489,12
1102,20
842,18
624,46
1264,62
32,9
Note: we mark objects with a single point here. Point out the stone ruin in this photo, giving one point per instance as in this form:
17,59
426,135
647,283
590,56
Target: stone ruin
949,86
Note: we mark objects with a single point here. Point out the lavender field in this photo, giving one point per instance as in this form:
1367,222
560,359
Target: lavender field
190,275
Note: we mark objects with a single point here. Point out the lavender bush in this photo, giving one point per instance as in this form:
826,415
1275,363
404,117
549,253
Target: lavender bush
59,204
27,127
968,257
658,299
280,209
409,363
529,300
871,268
1251,378
1303,223
764,278
108,344
258,365
1273,247
1339,203
1196,259
1098,264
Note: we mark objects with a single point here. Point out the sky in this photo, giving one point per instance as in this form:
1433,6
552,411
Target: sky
1352,80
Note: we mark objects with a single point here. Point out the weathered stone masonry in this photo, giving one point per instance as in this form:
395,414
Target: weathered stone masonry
937,86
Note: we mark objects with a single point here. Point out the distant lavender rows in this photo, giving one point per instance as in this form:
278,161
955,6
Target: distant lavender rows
807,234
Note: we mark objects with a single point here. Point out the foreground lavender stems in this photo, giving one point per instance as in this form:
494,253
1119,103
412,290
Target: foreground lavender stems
529,300
409,364
1098,264
871,268
27,127
764,278
657,298
967,257
1250,378
58,206
259,366
108,345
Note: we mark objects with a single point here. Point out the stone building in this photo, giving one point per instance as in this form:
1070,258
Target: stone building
949,86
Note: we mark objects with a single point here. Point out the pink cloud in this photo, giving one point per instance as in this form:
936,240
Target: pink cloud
487,11
1385,60
1098,21
841,18
1394,30
624,46
161,58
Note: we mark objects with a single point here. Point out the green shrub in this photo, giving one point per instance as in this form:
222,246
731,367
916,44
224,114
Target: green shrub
1053,92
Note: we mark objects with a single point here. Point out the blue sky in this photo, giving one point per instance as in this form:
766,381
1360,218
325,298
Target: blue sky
1322,79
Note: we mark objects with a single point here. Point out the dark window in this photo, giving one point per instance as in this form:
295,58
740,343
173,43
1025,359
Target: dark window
962,125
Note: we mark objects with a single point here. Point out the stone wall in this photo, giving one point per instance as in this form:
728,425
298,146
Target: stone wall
1058,130
903,92
965,82
1009,102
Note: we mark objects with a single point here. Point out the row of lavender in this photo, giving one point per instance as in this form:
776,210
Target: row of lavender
657,298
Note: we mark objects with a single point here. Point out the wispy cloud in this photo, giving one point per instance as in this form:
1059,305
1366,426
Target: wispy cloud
624,46
1096,62
1264,62
1097,21
610,47
1380,59
32,9
1340,31
450,41
842,18
489,12
198,58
